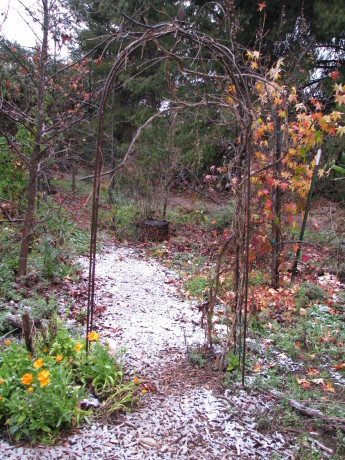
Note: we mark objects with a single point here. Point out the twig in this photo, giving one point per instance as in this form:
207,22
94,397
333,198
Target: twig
338,422
227,400
326,449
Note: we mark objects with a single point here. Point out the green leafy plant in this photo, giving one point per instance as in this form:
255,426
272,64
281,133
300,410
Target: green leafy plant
41,394
195,357
340,168
196,285
223,215
100,369
233,362
38,396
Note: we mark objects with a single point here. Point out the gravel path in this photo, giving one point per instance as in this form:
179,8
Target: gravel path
186,416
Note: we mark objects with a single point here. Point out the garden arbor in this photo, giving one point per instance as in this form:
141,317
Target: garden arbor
199,59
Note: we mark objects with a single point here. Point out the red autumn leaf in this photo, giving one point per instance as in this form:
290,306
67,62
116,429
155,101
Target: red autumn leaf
303,382
261,6
335,75
305,258
284,186
339,366
312,371
257,366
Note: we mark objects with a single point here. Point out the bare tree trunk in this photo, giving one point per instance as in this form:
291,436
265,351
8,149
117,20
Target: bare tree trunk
73,178
36,151
29,216
112,176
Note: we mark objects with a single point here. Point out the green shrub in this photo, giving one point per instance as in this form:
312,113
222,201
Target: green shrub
196,286
41,394
223,215
309,292
38,396
123,218
195,356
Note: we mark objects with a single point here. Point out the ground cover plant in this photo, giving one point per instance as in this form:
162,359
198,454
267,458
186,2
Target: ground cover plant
43,392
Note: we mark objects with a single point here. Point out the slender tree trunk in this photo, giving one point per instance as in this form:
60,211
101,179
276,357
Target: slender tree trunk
29,217
36,151
73,178
112,175
276,211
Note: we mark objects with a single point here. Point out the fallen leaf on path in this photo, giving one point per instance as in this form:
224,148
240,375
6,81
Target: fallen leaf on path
149,442
329,387
146,386
303,382
312,371
257,366
318,381
339,366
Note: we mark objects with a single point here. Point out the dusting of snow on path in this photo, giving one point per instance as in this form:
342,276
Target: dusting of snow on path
187,416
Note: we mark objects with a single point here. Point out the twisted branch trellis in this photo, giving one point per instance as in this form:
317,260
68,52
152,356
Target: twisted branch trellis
241,109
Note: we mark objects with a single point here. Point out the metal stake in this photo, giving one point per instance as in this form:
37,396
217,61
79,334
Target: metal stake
305,218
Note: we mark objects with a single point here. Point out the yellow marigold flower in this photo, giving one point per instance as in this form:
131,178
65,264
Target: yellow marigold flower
7,342
93,336
59,358
30,389
78,347
44,382
2,381
43,375
136,380
38,363
27,379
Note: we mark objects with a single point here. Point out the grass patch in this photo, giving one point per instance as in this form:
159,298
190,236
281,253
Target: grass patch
223,215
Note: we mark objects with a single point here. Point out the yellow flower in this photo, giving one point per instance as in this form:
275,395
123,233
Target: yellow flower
43,375
30,389
78,347
2,381
27,379
7,342
44,382
144,391
136,380
59,358
45,350
93,336
38,364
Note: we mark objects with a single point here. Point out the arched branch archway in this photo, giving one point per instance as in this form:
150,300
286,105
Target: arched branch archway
230,76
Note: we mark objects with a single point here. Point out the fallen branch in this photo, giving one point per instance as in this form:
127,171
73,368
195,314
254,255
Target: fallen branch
321,446
338,422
